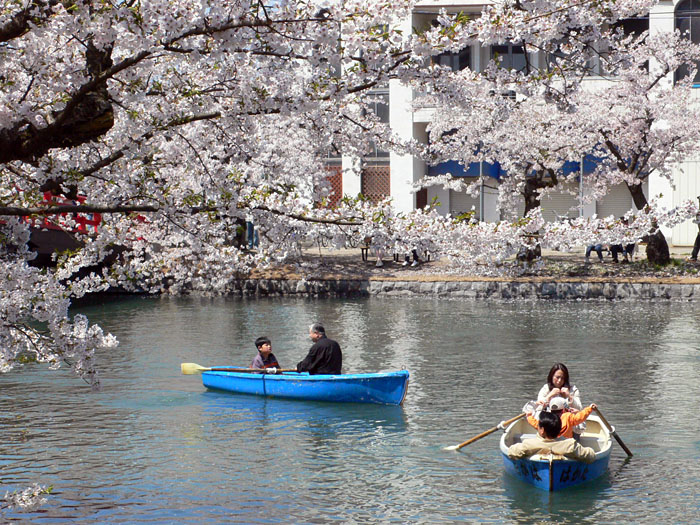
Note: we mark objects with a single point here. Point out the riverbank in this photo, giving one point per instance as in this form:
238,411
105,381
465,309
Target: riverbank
564,276
315,263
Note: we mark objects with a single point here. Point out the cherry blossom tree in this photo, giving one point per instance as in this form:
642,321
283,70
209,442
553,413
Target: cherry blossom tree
644,121
176,123
540,122
535,142
179,122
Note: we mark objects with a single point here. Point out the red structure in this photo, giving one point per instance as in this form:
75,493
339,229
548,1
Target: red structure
84,222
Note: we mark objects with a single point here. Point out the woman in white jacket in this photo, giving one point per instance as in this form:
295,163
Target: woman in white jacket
558,385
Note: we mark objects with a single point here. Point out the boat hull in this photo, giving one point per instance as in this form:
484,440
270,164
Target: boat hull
557,473
384,388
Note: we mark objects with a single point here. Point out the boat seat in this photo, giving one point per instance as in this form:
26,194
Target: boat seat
593,440
521,437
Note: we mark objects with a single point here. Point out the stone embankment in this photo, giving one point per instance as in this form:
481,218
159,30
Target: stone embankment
476,289
563,277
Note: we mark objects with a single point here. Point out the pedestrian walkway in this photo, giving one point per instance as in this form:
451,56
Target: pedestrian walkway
323,263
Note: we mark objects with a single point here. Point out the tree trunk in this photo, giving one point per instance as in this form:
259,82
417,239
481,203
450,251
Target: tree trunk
657,247
532,201
84,118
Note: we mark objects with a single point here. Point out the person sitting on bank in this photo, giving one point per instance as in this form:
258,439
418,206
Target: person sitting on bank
569,420
696,246
324,357
549,427
598,248
627,251
265,359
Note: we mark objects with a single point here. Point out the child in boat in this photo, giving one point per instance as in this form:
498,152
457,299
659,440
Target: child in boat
265,358
549,427
558,385
558,406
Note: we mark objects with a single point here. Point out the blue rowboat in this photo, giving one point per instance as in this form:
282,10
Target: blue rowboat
384,387
553,472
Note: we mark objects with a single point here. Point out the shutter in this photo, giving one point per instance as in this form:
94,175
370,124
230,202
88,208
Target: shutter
555,205
376,183
617,202
335,179
687,187
461,202
559,204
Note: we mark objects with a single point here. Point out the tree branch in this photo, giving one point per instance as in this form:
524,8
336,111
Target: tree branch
180,121
19,23
16,211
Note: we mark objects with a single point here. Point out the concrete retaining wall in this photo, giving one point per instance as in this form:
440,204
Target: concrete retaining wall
470,289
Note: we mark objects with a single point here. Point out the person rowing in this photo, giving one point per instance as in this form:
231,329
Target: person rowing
324,357
569,420
549,440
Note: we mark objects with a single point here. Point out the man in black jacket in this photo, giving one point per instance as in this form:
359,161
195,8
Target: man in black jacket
324,357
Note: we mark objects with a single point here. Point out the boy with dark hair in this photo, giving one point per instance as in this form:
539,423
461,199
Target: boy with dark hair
548,429
265,358
569,420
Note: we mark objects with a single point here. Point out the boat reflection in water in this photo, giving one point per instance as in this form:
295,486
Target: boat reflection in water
280,419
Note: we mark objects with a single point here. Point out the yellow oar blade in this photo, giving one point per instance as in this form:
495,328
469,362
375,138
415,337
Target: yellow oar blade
192,368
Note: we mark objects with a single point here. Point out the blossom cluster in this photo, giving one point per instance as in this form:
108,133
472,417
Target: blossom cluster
28,499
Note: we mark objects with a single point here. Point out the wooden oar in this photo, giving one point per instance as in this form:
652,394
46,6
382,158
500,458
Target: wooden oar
501,425
194,368
612,431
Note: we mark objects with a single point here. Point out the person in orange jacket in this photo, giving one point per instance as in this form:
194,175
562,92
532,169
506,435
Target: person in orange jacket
569,420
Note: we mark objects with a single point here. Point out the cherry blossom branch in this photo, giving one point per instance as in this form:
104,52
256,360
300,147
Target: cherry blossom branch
15,211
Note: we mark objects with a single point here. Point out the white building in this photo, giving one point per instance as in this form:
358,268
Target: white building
384,174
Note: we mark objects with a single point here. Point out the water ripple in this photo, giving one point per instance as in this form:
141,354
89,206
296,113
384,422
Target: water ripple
154,446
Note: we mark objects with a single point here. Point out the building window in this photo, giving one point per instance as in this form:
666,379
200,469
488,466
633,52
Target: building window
688,22
633,26
333,155
511,56
455,61
381,108
559,54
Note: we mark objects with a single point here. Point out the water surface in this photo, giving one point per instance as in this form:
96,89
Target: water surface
154,446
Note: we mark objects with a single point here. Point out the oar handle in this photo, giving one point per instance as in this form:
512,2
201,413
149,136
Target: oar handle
490,431
612,431
194,368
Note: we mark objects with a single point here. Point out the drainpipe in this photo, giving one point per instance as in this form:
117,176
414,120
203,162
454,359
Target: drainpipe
580,191
481,191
